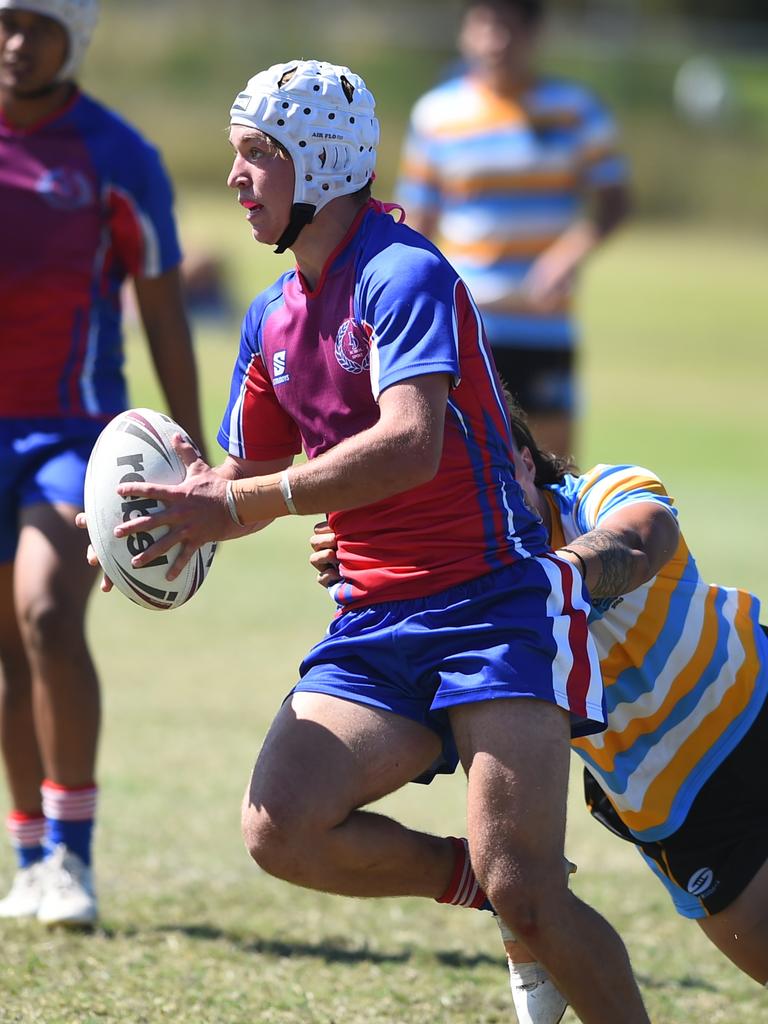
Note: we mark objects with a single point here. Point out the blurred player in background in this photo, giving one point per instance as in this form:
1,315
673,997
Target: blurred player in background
519,177
84,203
679,770
371,356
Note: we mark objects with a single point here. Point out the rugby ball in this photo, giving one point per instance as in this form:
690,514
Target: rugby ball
136,446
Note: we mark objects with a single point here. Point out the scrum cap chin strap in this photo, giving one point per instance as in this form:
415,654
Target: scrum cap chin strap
301,215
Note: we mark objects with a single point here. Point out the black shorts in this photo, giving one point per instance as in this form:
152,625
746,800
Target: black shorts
541,379
723,842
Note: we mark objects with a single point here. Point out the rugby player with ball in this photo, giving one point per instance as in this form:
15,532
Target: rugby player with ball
679,770
371,356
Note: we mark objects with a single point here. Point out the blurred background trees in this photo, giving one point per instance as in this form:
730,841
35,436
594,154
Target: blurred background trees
687,78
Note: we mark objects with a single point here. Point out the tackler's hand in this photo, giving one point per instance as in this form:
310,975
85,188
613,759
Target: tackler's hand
323,557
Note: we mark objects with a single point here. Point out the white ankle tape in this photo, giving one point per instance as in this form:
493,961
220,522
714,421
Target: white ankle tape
527,976
534,995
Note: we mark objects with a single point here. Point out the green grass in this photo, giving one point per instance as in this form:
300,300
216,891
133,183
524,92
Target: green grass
193,933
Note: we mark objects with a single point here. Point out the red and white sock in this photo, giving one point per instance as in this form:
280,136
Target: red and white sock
27,832
463,889
70,814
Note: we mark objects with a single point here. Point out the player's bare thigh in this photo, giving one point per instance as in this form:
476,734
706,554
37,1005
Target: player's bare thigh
741,930
516,753
324,757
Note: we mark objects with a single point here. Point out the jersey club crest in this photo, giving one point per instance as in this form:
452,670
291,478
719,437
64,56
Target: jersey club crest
353,347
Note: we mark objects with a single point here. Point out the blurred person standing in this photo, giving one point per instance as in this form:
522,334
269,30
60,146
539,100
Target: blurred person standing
84,204
520,177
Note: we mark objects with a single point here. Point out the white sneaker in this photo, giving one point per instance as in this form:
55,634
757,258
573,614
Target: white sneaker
68,898
26,892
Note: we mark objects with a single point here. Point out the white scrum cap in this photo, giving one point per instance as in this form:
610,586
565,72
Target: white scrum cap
323,114
78,17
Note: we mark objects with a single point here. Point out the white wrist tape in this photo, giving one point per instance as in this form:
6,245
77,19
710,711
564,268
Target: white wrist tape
285,490
232,506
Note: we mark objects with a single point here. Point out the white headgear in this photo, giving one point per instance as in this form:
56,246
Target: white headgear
78,17
323,115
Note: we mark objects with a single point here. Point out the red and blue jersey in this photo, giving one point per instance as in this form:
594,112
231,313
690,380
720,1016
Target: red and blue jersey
312,364
84,203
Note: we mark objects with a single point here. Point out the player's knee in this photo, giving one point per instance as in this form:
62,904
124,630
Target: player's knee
50,629
276,837
526,914
529,901
261,841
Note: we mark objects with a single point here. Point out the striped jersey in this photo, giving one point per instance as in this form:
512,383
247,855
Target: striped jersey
311,366
506,176
84,203
684,663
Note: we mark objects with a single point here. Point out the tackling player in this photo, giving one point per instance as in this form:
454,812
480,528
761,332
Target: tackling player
371,356
679,769
84,203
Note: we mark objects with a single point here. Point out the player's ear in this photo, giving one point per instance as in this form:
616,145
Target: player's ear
527,459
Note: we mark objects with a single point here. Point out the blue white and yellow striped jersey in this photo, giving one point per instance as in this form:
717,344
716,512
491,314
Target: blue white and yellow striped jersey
684,662
506,176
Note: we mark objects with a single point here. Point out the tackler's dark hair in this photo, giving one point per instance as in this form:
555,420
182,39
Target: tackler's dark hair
550,468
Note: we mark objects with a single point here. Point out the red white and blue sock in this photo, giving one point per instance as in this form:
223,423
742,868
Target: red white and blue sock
463,889
27,832
70,816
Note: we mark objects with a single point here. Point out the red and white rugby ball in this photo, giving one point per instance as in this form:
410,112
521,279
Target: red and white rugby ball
136,446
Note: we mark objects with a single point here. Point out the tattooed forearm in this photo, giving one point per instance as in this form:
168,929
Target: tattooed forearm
615,560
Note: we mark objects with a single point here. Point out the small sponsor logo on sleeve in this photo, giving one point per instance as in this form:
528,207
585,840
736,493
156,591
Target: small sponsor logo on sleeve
279,374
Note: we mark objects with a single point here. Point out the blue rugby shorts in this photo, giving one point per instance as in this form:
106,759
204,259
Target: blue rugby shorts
41,461
518,632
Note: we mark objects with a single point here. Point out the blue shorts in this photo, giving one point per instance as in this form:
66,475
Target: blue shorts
518,632
541,379
41,460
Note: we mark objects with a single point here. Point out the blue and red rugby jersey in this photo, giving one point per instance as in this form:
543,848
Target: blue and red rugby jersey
84,203
388,307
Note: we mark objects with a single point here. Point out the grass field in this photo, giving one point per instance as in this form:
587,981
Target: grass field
192,933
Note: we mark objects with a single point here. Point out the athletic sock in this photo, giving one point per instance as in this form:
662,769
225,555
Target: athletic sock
70,815
27,832
463,889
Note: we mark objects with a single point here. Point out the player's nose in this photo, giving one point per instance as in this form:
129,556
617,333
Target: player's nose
237,175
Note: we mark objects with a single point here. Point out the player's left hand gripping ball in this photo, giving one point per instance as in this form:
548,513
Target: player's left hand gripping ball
136,446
